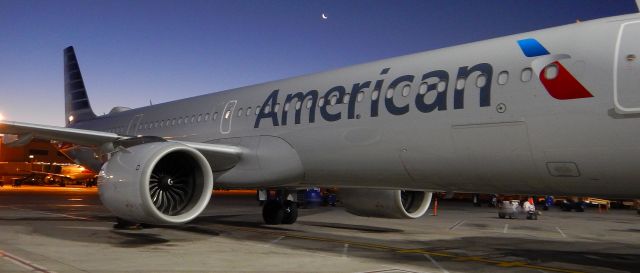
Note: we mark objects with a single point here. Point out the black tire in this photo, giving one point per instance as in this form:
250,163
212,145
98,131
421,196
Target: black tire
126,225
273,212
501,215
290,212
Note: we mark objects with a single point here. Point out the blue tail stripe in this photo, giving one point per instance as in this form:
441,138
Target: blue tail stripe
532,48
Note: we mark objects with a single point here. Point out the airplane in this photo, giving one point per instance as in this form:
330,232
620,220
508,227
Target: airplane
554,111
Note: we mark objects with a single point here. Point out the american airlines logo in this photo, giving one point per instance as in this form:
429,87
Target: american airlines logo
558,81
338,103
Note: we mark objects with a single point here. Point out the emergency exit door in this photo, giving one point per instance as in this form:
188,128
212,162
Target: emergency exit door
227,116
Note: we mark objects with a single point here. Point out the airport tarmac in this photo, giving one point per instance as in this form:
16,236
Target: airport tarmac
54,229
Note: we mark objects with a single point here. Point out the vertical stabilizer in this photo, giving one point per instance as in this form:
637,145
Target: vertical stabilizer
76,102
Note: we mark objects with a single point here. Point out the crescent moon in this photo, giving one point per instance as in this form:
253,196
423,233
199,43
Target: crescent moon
324,16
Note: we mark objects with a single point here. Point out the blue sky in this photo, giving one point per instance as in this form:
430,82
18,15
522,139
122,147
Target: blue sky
131,52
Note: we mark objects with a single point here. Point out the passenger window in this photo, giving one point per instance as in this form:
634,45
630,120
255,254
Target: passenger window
503,78
309,103
199,117
257,110
321,101
551,72
526,74
333,100
206,116
215,115
347,96
193,119
286,106
298,105
481,81
173,122
390,92
360,96
460,83
423,88
227,114
406,90
179,120
240,112
277,108
374,95
248,111
267,109
442,85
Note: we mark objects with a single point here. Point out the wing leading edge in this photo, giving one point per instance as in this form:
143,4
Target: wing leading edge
224,156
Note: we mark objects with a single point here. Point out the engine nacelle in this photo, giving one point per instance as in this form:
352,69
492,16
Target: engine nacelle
156,183
385,203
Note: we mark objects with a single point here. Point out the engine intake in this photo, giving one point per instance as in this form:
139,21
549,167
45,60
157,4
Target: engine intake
156,183
386,203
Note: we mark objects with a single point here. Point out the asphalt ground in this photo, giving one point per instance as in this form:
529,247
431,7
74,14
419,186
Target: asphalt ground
51,229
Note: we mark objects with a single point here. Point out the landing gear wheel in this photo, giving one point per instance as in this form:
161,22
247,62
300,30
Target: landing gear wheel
290,212
273,212
124,224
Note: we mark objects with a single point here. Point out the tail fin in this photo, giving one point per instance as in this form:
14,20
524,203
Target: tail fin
76,103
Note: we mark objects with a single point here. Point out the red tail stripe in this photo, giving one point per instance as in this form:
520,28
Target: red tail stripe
564,86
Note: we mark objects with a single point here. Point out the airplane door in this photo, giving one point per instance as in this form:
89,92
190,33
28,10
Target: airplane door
133,125
626,70
227,116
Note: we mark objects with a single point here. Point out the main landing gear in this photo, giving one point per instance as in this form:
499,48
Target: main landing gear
278,209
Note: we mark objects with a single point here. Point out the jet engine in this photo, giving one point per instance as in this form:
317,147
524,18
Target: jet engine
385,203
156,183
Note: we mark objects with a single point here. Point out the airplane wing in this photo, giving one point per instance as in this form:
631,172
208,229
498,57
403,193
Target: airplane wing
225,156
28,131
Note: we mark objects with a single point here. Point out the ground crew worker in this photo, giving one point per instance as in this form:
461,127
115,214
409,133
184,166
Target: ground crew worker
530,209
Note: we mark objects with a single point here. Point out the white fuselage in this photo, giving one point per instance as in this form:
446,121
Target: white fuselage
500,132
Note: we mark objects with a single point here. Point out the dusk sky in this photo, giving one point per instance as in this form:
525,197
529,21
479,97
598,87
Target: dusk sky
131,52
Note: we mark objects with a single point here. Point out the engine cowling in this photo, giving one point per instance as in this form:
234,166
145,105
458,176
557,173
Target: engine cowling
385,203
156,183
